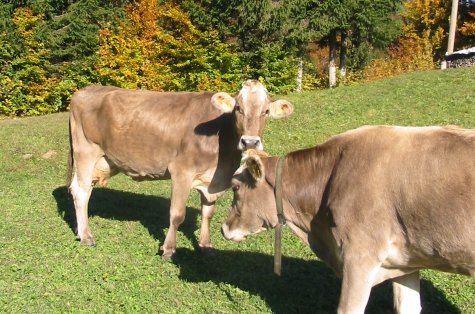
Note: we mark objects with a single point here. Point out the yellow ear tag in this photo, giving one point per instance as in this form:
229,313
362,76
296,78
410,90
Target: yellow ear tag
223,101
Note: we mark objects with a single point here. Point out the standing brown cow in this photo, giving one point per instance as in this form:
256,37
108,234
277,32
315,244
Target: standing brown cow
194,138
375,203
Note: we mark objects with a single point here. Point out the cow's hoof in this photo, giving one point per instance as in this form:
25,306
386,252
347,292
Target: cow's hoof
88,241
208,251
167,255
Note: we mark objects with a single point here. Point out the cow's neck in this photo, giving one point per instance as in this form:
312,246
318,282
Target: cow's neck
229,155
304,179
228,138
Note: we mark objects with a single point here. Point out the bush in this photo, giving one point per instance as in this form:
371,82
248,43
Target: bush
410,54
157,48
28,85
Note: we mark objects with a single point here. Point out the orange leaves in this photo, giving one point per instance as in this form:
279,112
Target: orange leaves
410,54
143,19
468,28
26,21
427,12
422,39
131,56
158,48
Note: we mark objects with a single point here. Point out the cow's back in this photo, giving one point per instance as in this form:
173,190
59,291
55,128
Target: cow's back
412,186
140,131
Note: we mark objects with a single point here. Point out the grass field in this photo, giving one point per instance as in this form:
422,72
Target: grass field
44,270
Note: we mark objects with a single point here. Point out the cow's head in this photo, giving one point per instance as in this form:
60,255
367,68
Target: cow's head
253,209
250,108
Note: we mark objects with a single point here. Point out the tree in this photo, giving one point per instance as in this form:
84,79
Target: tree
428,20
358,28
26,84
272,36
466,16
296,24
419,44
423,40
65,36
72,35
468,27
70,27
157,47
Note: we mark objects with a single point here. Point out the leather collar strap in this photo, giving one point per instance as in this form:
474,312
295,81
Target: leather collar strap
280,215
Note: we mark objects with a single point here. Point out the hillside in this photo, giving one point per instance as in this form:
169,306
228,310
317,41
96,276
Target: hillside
45,270
421,98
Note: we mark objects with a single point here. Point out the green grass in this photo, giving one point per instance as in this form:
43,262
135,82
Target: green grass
44,270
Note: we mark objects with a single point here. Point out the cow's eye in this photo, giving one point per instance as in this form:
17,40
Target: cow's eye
239,109
235,188
266,113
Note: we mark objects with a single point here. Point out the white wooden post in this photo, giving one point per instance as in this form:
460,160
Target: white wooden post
299,75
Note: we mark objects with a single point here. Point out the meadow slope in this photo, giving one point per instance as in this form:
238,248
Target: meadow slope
44,270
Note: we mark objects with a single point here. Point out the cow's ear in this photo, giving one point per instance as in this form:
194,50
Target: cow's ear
239,170
223,101
280,109
255,167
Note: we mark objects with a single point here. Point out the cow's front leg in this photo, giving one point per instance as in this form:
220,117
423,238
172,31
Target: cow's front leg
357,281
207,212
181,185
406,294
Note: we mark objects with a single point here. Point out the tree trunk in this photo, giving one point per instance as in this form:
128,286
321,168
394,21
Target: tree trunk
343,51
300,75
331,65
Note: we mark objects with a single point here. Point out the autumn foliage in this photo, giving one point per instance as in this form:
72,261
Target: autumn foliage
422,40
27,85
468,27
157,47
51,48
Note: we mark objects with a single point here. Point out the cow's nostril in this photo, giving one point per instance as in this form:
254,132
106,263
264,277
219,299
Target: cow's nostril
250,143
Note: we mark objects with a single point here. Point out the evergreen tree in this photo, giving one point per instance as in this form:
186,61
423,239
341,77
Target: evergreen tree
268,39
72,34
287,27
27,86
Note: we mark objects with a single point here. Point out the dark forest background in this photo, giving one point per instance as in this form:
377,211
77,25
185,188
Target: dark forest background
50,48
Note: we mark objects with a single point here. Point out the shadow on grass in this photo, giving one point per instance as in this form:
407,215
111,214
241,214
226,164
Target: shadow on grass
304,287
153,212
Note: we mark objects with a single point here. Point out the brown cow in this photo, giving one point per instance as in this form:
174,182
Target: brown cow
375,203
194,138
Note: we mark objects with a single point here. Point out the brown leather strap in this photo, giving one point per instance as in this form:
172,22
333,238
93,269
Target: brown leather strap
280,215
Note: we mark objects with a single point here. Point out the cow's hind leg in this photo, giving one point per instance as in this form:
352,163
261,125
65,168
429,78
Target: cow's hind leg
181,185
406,293
80,189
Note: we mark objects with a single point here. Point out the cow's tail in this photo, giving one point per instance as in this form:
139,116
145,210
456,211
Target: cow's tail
69,173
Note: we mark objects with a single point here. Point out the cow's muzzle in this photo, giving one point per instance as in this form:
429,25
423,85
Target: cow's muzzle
235,235
250,142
